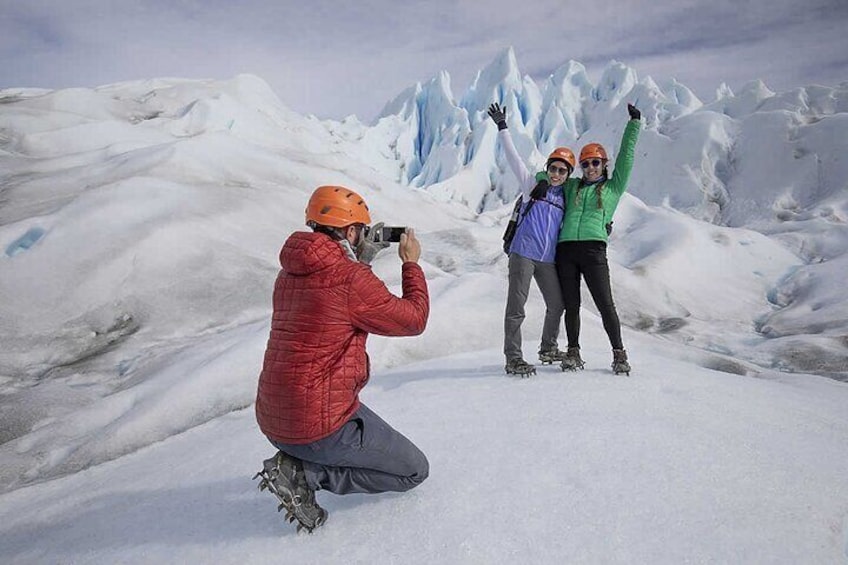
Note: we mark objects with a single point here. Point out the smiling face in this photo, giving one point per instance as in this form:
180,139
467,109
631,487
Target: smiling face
558,172
593,168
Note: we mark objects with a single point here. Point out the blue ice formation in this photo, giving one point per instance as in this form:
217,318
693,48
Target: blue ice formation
23,243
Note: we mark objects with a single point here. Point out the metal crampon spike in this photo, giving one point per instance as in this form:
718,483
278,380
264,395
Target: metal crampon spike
288,485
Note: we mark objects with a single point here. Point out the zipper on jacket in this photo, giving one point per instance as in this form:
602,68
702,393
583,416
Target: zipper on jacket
582,213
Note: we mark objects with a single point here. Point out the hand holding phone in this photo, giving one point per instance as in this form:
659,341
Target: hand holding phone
410,248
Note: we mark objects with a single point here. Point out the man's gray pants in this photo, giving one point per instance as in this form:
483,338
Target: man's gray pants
366,455
521,270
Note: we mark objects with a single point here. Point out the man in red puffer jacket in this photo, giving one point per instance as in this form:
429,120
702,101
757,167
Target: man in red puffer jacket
326,302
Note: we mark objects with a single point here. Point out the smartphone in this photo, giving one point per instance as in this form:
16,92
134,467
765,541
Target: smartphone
391,234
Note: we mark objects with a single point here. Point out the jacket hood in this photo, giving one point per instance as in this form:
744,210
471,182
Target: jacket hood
308,252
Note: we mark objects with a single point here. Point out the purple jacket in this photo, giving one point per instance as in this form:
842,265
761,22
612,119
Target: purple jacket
538,231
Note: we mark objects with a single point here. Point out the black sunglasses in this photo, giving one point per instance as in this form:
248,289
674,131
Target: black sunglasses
594,162
554,170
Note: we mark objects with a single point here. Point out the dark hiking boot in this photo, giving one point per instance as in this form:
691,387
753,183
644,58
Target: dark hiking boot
619,362
550,356
283,476
572,360
519,367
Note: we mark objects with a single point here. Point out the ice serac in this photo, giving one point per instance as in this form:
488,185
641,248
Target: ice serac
681,94
746,101
563,96
440,145
499,82
616,81
444,138
709,154
434,138
431,140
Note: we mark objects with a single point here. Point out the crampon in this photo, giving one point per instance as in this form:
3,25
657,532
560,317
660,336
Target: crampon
619,362
519,367
551,356
283,477
572,360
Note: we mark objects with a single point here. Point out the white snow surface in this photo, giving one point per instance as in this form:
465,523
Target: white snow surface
139,231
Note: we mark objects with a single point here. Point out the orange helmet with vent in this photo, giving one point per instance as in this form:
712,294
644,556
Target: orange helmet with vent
563,154
593,151
337,207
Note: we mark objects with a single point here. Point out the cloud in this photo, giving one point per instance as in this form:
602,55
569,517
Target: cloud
333,59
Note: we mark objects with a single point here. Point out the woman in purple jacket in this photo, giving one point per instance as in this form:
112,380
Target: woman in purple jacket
533,248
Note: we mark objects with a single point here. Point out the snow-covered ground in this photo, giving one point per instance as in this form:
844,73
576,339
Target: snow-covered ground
676,464
139,230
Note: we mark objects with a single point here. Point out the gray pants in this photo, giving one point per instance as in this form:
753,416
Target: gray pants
521,270
366,455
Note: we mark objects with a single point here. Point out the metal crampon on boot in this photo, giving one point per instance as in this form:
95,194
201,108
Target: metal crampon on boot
619,362
519,367
551,356
572,360
283,476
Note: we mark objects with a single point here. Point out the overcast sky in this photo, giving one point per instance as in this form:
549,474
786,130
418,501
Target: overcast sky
333,59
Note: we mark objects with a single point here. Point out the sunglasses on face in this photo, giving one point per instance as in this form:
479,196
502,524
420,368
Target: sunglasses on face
594,162
554,170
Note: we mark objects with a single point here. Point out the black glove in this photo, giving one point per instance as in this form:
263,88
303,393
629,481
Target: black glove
498,115
367,248
634,112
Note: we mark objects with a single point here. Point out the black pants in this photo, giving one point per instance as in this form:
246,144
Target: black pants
589,259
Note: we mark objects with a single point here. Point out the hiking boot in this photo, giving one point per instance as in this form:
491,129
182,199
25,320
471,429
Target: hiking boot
619,362
572,360
283,475
519,367
550,356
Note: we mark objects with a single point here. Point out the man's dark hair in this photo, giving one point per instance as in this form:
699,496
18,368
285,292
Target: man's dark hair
335,233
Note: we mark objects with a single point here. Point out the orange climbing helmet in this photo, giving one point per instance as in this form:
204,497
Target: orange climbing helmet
593,151
337,207
563,154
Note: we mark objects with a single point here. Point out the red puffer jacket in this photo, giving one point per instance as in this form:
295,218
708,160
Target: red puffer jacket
325,305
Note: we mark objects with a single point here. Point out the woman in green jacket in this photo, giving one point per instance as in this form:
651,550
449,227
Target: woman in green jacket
582,245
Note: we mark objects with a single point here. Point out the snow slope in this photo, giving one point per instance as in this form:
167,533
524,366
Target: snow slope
678,464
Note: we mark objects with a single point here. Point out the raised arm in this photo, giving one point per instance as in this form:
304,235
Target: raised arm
627,151
377,311
526,179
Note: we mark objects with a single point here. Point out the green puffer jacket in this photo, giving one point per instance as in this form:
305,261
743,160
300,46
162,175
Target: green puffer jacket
584,220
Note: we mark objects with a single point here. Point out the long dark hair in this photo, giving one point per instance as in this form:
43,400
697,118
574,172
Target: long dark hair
540,190
599,185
